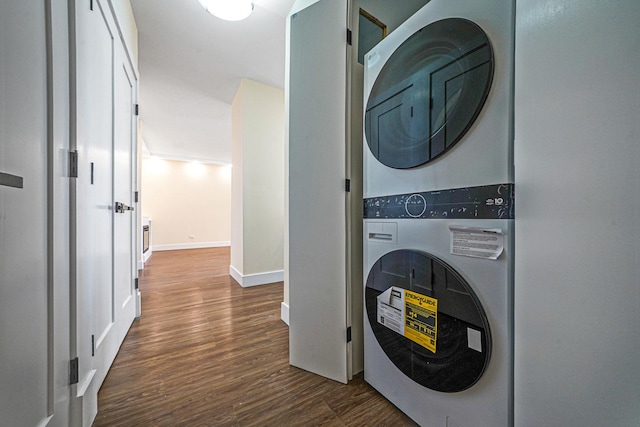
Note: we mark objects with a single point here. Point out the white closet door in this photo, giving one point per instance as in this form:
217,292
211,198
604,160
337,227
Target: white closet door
124,222
317,201
94,192
104,267
34,298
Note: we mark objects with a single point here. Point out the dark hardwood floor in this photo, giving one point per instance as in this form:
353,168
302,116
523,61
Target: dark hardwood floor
207,352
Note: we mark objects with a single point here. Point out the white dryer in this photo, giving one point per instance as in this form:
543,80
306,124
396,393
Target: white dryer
439,99
438,214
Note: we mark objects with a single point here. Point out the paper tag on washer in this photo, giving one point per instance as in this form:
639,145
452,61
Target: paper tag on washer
391,309
476,242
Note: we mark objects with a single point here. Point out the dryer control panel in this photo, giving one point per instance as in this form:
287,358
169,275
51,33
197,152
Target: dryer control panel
483,202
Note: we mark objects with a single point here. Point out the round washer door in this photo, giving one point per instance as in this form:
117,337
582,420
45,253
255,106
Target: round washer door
463,339
429,93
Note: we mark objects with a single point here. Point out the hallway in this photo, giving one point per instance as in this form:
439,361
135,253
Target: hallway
207,352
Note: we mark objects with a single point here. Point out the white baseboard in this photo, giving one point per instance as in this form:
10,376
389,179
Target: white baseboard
233,272
84,400
284,312
180,246
256,279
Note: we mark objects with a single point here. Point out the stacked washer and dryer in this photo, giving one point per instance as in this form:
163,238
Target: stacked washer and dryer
438,214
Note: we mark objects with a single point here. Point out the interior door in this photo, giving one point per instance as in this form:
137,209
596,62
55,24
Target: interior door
94,198
317,201
34,291
124,219
104,270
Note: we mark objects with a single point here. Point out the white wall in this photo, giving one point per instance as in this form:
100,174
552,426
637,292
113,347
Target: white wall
257,244
577,152
189,203
237,183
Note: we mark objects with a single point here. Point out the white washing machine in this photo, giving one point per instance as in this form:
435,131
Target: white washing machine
466,379
438,214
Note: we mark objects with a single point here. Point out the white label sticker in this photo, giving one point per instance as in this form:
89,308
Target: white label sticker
391,309
487,243
474,339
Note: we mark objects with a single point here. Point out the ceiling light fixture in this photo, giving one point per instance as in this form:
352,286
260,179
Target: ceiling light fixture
229,10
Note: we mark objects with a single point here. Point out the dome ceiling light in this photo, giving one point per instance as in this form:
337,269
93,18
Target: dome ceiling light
229,10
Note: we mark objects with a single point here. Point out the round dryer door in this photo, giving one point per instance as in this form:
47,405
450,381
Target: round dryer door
428,93
460,345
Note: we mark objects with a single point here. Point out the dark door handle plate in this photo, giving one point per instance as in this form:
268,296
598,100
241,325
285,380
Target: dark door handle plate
121,207
9,180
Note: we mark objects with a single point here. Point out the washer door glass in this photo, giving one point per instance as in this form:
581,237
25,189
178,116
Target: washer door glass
429,93
463,339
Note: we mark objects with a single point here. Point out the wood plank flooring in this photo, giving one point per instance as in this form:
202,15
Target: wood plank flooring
207,352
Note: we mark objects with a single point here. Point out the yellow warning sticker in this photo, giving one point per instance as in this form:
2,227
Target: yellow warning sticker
421,319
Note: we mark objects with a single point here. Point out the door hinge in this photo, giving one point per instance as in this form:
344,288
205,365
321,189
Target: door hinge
135,196
73,371
93,345
137,109
90,4
73,164
136,283
347,185
349,37
349,334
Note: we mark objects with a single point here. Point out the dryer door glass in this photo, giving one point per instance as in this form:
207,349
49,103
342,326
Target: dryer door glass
463,339
428,93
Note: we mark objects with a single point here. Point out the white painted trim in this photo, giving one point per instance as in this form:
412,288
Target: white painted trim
140,265
284,312
181,246
237,276
256,279
138,304
82,386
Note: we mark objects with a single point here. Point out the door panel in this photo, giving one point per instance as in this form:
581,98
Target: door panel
34,316
124,222
94,186
23,217
104,239
317,204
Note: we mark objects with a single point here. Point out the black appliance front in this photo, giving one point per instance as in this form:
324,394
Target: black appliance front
429,93
456,365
